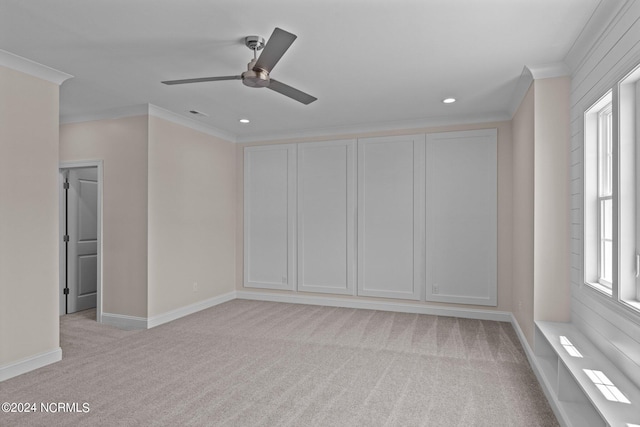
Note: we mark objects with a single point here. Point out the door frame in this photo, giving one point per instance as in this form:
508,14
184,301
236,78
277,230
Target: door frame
61,251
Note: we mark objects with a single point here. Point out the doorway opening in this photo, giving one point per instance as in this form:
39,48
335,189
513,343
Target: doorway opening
80,286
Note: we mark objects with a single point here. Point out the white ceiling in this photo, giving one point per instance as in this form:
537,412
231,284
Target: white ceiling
370,63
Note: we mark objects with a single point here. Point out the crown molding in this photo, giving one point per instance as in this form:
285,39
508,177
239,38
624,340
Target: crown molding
151,110
531,73
27,66
170,116
109,114
547,71
522,86
367,128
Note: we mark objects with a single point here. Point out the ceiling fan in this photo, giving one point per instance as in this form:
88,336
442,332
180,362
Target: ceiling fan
257,74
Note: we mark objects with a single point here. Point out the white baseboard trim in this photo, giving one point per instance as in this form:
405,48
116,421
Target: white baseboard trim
523,340
123,321
131,322
30,363
467,313
533,361
189,309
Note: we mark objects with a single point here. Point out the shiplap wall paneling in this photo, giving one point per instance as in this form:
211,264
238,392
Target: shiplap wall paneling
596,67
461,217
269,216
391,216
326,217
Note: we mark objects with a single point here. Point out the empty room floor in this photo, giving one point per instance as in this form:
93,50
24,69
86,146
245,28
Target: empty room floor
253,363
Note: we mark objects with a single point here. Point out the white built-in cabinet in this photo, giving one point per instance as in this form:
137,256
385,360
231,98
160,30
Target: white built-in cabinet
462,225
326,216
391,216
407,217
269,216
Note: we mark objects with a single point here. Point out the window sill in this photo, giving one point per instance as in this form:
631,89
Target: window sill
629,309
600,288
632,304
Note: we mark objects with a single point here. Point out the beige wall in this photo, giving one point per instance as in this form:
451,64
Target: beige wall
28,216
523,205
540,205
122,145
192,216
505,195
168,211
552,301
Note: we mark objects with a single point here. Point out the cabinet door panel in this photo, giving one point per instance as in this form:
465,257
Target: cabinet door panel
390,173
326,217
269,217
461,195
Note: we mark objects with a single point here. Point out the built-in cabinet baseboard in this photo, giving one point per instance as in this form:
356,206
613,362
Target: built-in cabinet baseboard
371,304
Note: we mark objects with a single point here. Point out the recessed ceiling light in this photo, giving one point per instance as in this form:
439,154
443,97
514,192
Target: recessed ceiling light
245,121
449,100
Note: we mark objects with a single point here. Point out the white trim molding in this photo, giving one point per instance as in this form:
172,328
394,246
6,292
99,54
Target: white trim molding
123,321
132,322
150,110
30,363
399,307
27,66
352,131
528,75
548,71
99,164
109,114
190,123
169,316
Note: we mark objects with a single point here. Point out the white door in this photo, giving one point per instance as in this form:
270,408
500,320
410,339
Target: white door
82,232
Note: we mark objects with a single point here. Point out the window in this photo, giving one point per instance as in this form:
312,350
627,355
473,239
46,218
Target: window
605,196
628,192
598,195
612,193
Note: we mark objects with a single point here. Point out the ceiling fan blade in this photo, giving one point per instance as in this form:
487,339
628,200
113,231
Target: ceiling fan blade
291,92
277,45
201,79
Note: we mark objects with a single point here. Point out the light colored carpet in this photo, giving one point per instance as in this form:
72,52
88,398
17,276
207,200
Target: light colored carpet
250,363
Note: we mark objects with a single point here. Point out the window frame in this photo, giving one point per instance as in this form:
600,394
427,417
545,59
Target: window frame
592,228
605,190
622,102
628,163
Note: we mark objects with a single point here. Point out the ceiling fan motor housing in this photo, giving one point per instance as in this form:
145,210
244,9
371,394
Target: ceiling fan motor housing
255,77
